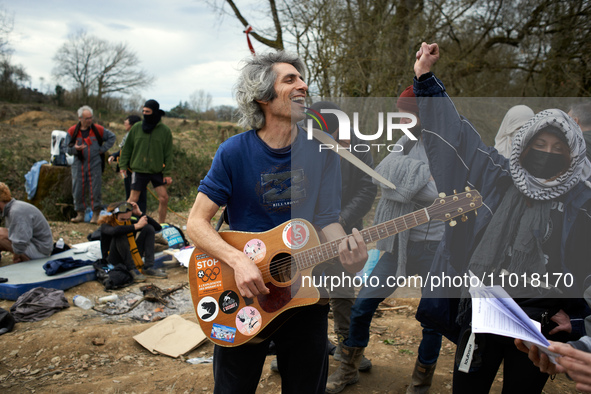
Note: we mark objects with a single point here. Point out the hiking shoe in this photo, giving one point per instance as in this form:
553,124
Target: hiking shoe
79,217
155,272
137,276
95,217
274,366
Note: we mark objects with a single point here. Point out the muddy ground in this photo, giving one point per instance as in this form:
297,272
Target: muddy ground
64,354
84,351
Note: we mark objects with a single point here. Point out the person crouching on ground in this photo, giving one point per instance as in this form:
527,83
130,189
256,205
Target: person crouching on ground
127,235
27,234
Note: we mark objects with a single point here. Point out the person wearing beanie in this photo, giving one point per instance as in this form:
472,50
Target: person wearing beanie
27,234
88,142
147,153
405,254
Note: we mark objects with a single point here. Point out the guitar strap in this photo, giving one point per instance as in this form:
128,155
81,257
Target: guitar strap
345,154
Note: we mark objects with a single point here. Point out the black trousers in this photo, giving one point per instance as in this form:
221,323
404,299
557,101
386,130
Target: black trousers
302,356
119,252
520,375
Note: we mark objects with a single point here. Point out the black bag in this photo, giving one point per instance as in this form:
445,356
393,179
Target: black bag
57,250
6,321
112,277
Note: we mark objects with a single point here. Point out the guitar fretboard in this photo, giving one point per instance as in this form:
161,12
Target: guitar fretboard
313,256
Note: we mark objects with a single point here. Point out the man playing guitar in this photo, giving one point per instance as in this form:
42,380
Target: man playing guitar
265,177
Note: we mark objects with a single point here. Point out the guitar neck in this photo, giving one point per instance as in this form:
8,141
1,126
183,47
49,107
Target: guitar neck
316,255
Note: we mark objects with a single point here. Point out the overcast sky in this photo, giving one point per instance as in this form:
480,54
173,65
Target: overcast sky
183,43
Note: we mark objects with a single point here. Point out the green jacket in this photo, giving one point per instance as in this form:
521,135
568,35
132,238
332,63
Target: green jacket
148,153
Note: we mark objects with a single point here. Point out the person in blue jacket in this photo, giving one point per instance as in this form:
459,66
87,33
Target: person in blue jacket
534,220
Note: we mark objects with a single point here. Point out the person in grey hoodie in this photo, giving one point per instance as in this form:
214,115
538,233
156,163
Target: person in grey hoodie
27,234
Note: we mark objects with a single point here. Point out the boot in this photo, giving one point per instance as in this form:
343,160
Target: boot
365,364
95,217
79,217
422,376
347,373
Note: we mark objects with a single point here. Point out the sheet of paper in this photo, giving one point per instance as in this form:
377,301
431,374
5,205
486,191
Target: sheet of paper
184,256
495,312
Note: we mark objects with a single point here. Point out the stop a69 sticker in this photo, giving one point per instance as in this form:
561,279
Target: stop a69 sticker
296,234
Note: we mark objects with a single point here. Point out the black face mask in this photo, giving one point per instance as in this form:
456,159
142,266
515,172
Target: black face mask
150,121
544,165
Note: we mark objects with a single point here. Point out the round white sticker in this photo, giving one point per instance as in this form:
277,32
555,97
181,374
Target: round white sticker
296,234
208,309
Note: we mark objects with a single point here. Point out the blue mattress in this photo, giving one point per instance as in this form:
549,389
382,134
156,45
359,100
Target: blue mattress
27,275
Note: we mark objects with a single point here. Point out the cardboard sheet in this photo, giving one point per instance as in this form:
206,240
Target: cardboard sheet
173,336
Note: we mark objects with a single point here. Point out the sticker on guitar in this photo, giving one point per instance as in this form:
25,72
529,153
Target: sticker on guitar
229,302
248,321
208,309
296,234
255,249
223,333
209,277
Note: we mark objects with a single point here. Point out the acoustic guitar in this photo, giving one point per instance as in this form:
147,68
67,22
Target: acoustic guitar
285,256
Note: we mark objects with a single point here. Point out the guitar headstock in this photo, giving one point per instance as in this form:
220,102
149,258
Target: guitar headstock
448,207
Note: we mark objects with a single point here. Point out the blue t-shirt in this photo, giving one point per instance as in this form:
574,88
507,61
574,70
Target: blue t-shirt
263,187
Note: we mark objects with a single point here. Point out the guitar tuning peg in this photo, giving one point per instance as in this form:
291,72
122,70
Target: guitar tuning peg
455,191
464,218
442,194
467,188
452,223
475,213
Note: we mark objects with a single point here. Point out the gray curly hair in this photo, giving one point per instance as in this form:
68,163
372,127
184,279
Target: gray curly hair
84,108
256,82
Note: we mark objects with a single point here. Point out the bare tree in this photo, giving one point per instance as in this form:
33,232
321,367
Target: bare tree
13,77
200,101
6,26
361,48
275,42
97,67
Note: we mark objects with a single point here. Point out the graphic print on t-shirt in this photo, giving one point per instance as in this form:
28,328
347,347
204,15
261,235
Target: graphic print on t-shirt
283,188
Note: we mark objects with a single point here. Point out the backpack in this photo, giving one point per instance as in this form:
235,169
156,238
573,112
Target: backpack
174,236
58,146
112,277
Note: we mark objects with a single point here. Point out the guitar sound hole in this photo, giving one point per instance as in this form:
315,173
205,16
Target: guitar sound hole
282,267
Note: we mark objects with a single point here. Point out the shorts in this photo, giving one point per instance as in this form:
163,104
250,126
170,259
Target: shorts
139,181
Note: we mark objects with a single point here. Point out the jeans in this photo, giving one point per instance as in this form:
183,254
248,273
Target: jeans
418,261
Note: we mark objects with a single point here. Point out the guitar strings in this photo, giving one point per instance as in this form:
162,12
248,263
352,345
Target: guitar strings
278,266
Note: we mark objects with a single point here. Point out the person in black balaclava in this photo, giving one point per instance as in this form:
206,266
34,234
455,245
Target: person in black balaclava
152,115
148,154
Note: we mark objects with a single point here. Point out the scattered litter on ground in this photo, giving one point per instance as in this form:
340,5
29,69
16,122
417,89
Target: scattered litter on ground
149,304
173,336
200,360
